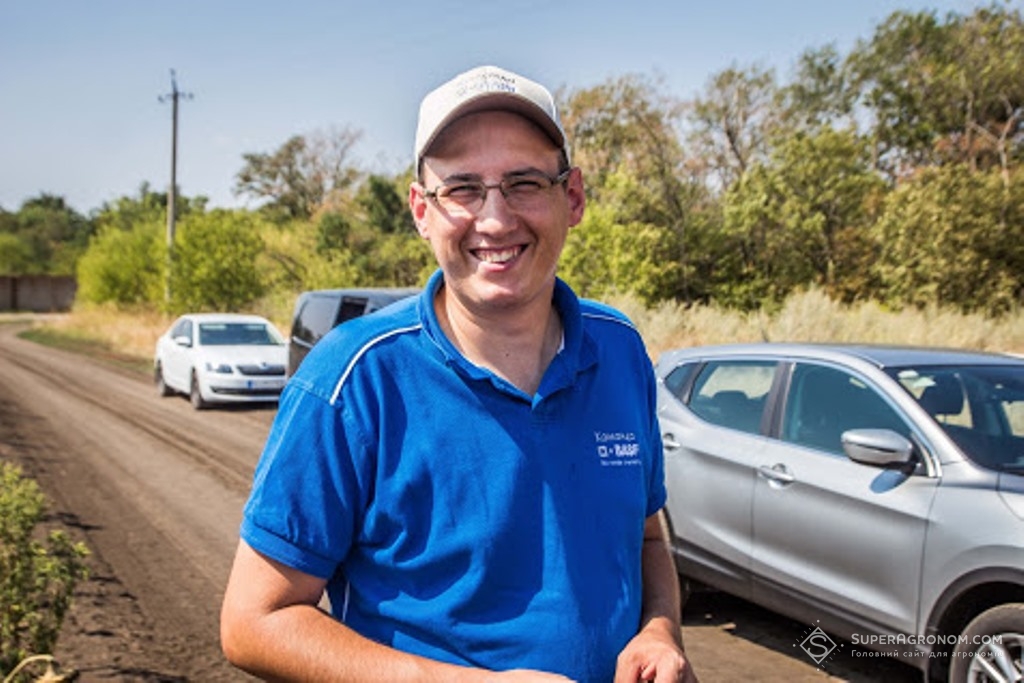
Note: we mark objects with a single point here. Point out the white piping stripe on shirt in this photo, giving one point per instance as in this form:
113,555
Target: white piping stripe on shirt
610,318
355,359
344,607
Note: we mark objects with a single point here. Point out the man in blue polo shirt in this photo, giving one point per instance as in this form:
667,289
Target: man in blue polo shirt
474,476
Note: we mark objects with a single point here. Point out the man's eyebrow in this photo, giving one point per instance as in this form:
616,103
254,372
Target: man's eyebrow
529,170
475,177
456,177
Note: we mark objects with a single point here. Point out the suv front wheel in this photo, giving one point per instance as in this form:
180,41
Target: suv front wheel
990,648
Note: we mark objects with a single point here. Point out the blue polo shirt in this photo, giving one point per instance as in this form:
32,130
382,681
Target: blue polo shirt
455,516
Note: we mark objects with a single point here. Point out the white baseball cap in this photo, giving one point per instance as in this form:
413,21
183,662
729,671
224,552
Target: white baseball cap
486,88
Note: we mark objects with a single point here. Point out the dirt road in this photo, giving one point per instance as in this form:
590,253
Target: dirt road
156,490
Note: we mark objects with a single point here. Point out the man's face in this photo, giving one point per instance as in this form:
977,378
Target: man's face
497,256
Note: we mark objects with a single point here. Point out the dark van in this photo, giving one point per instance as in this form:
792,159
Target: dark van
318,311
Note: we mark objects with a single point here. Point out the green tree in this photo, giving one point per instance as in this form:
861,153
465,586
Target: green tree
333,230
988,48
953,237
16,255
367,238
821,93
50,237
147,206
730,123
788,223
627,128
214,266
294,258
301,175
609,252
383,203
124,267
941,91
900,74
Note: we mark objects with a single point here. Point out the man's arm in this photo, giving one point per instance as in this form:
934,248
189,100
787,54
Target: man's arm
656,652
271,627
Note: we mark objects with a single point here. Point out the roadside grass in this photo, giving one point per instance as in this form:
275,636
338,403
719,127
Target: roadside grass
128,337
122,338
63,335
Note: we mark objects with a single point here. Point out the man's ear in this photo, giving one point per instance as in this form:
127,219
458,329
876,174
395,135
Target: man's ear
576,195
418,208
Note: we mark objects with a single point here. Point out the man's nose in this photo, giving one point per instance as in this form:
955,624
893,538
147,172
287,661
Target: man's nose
495,210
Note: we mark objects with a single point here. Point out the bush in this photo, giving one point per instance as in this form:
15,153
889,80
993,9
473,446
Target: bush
36,579
214,267
123,266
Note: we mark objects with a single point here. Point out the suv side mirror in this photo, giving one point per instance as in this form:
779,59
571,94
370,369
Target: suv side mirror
182,340
877,447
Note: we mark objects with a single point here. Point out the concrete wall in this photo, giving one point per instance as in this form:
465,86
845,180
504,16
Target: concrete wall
39,293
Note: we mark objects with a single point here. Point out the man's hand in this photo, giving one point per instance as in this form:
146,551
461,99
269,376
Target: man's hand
654,655
656,652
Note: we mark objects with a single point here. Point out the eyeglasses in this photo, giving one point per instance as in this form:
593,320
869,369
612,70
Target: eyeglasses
522,192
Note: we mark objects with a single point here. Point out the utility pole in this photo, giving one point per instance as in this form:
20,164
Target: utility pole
173,96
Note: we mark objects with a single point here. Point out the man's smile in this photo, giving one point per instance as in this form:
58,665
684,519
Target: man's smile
498,256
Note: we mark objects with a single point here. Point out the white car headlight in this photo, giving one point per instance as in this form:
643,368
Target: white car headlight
222,368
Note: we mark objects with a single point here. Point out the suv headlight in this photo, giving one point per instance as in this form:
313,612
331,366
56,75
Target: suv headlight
222,368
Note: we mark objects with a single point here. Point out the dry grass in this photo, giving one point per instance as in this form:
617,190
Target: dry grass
809,316
813,317
133,333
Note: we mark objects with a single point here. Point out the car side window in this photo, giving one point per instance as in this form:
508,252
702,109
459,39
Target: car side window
824,402
182,329
733,393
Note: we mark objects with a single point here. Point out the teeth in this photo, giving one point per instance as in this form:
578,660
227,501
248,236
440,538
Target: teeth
497,255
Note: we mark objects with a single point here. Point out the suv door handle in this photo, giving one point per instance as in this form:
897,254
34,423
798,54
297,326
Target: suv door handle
670,443
777,473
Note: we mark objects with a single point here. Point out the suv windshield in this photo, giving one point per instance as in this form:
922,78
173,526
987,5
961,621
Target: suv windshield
981,408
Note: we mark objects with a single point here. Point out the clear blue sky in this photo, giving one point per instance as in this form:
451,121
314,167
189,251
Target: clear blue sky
79,79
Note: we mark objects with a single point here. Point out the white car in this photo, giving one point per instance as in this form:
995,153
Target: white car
221,358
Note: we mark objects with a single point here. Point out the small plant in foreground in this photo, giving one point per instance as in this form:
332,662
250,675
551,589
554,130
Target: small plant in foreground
37,578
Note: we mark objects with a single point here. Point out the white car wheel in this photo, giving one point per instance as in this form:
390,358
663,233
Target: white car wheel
161,384
198,402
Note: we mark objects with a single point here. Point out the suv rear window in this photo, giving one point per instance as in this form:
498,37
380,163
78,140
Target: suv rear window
318,312
315,318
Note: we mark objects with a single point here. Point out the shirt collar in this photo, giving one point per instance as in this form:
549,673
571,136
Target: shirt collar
577,352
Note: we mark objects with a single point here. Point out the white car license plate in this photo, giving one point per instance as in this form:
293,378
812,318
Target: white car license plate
265,384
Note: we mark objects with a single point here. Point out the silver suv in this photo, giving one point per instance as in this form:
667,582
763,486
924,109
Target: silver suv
877,492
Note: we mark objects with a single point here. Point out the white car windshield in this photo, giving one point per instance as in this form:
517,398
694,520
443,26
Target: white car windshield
238,334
